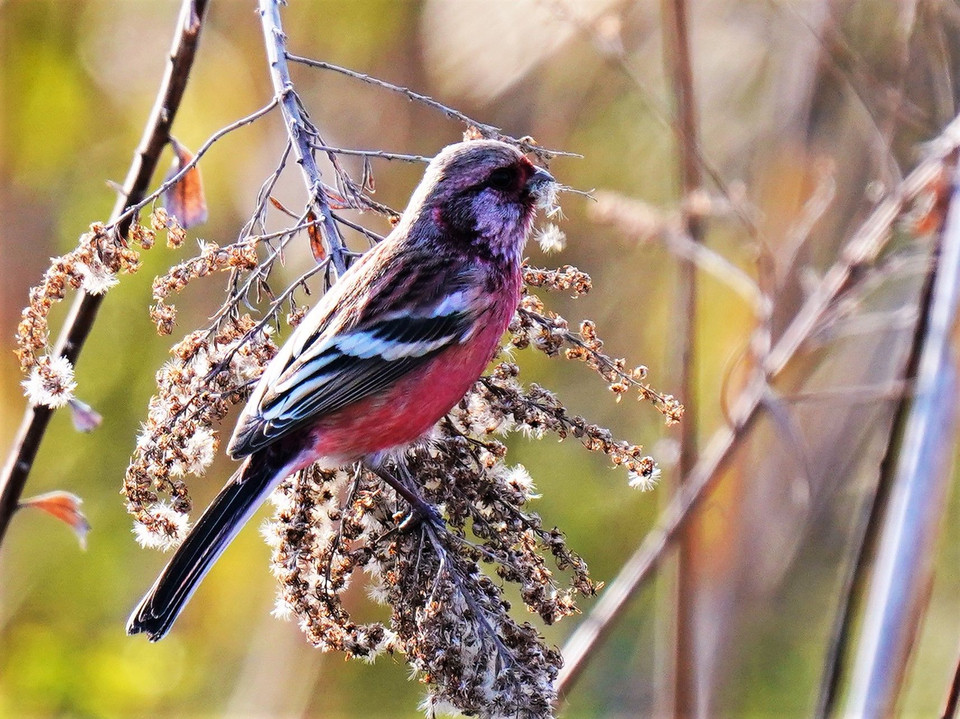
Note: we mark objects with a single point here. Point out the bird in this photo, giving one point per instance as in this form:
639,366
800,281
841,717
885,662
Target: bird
386,352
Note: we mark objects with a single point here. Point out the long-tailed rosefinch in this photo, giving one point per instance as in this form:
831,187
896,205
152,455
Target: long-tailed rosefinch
385,353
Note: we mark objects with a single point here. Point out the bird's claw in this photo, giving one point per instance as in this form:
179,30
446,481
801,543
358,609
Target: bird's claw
419,513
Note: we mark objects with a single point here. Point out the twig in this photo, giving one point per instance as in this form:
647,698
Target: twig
84,311
371,153
848,67
298,129
864,542
127,216
701,257
371,236
865,245
257,219
636,218
486,130
615,56
813,209
853,394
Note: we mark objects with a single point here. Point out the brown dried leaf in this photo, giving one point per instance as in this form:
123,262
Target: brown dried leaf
185,200
316,237
933,203
280,206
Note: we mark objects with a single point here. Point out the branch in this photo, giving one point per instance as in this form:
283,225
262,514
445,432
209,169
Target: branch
652,550
526,144
300,131
132,209
866,533
84,311
677,50
952,703
380,154
487,130
903,570
614,54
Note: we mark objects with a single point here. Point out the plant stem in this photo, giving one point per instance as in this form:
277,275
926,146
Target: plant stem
676,42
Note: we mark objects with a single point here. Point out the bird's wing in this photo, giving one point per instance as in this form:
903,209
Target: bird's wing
332,368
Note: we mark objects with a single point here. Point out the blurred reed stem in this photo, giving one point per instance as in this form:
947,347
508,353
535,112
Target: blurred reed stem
676,43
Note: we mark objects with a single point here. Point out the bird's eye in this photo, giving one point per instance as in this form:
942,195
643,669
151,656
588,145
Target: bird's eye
503,178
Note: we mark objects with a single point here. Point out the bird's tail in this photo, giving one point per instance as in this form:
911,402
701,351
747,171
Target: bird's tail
215,529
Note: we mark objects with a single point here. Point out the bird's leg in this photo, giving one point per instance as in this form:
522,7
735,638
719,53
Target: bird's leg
420,509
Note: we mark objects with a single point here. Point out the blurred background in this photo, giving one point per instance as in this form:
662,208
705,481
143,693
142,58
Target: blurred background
794,98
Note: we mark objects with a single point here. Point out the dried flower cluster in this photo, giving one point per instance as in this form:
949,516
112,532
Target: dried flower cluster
444,581
212,258
499,400
207,375
91,266
50,382
563,279
549,332
449,616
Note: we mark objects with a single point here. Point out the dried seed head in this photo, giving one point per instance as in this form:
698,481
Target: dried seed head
50,382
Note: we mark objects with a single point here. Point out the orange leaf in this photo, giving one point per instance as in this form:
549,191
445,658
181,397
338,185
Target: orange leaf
279,205
65,507
316,237
933,203
336,200
185,200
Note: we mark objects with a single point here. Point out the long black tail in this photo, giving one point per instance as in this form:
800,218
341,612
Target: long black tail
215,529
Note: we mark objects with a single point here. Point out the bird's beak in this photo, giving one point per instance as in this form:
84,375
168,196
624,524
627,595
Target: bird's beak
539,178
542,185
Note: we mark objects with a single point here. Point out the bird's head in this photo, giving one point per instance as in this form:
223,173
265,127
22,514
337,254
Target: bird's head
481,195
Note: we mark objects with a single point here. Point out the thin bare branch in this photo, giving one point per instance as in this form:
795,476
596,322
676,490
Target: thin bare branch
614,54
132,210
676,43
863,248
951,706
487,130
299,129
640,221
525,144
257,219
851,394
380,154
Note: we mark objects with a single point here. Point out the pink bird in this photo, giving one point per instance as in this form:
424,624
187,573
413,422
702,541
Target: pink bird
383,356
